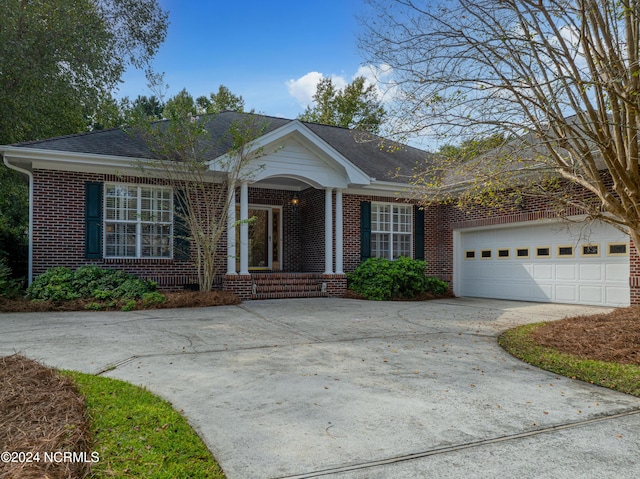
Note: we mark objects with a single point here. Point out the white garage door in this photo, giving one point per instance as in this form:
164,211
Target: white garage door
553,262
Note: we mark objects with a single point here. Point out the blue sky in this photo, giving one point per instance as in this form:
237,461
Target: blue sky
270,52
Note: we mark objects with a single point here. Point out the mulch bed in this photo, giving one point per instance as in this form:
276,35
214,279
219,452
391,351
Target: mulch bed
613,337
41,412
183,299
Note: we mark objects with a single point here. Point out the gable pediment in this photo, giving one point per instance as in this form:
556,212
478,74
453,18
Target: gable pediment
293,151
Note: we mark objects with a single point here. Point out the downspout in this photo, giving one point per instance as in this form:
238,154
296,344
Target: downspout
30,176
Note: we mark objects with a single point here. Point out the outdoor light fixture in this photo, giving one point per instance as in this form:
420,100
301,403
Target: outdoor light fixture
295,200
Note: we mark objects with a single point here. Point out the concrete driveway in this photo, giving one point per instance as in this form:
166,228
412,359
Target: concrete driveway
354,389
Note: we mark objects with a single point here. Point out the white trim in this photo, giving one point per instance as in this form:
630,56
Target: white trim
339,234
231,232
391,233
328,231
138,221
270,142
244,228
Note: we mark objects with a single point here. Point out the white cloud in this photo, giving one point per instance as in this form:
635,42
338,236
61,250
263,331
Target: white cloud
303,88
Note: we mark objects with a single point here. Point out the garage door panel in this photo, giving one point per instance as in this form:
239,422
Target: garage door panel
566,293
542,271
566,272
542,292
617,296
591,272
590,279
593,294
615,272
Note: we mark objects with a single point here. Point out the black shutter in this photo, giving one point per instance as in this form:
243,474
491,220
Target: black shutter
181,233
418,232
93,220
365,230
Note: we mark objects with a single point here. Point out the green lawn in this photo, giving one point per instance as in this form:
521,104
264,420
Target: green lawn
139,435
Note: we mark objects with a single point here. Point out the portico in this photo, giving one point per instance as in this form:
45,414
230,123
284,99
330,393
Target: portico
293,160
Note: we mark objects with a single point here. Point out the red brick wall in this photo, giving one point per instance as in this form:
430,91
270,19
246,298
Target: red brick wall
58,231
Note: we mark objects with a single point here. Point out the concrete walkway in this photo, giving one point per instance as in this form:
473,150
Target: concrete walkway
354,389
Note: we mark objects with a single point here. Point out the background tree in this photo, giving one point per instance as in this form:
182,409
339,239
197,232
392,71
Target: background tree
60,60
184,149
560,78
222,100
355,107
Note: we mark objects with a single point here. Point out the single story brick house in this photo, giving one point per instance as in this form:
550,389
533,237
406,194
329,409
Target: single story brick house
324,199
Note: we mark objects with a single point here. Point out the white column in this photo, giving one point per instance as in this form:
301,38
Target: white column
339,245
244,228
231,231
328,231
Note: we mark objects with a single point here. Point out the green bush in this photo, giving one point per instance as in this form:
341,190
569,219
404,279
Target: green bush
9,287
55,284
382,279
437,286
89,282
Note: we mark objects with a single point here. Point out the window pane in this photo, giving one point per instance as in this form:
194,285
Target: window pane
156,241
121,203
402,219
380,245
120,239
380,217
401,246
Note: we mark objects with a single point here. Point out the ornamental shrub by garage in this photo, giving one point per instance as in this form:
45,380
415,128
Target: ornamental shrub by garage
382,279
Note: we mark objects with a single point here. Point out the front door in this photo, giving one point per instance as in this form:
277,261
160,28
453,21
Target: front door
265,238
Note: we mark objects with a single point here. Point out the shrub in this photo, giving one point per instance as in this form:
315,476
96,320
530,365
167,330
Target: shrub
382,279
89,282
437,286
9,287
149,299
55,284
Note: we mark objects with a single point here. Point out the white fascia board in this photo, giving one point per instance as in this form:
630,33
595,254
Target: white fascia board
312,141
87,160
386,188
80,162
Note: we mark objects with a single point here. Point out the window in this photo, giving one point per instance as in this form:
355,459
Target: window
485,254
391,230
543,252
565,251
471,254
138,221
522,252
503,253
617,249
590,250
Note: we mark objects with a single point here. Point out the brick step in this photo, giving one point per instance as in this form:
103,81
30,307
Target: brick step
289,294
282,285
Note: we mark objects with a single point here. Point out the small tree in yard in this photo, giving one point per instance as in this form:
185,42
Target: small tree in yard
201,177
559,79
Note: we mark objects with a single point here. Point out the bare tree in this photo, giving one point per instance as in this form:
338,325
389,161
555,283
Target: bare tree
559,78
203,172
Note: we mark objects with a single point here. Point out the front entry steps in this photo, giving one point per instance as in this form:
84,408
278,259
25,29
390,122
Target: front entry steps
288,285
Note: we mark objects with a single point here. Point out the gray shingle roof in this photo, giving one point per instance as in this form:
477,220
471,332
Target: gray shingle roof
377,157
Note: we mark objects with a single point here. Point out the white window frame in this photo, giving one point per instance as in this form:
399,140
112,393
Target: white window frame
393,210
137,220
